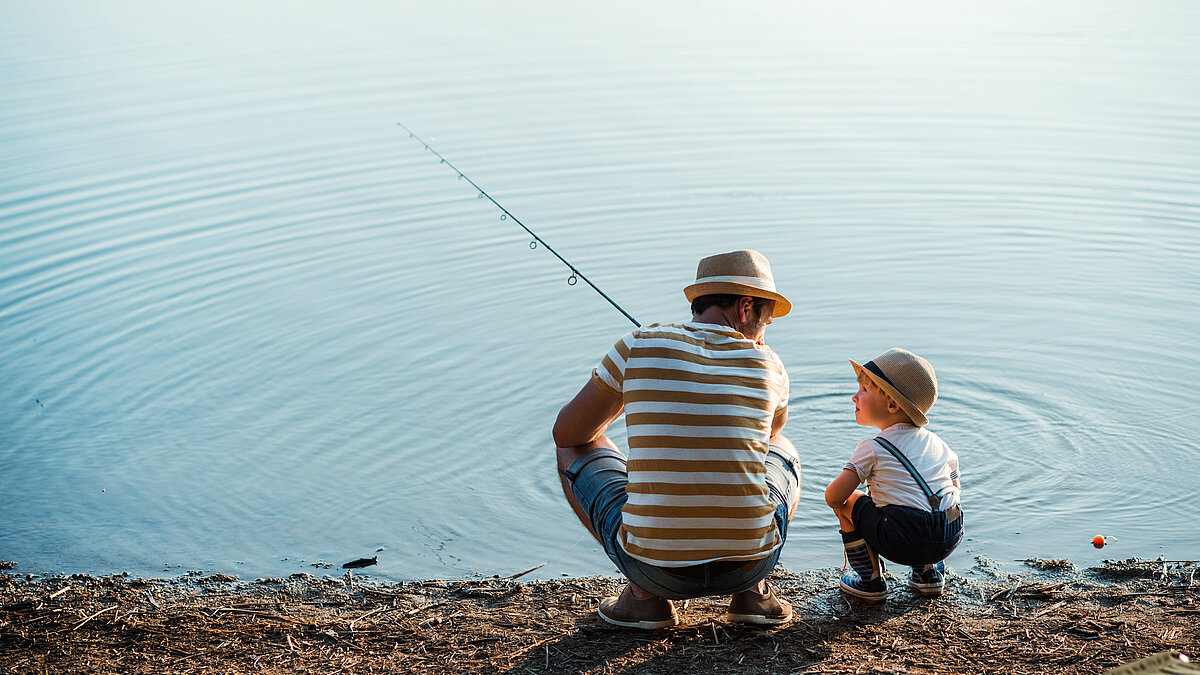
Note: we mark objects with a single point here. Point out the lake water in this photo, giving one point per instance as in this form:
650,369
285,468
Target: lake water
248,325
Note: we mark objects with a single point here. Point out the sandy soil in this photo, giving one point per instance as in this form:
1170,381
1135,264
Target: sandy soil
1053,619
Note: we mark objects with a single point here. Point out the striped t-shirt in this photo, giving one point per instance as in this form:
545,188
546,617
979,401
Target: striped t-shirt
699,403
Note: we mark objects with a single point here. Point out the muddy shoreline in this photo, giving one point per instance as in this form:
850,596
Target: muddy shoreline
1055,618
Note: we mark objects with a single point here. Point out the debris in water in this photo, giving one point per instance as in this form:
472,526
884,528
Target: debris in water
1100,541
1057,565
521,574
361,562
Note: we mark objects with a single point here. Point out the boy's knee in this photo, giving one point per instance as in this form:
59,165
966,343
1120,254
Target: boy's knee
846,508
843,511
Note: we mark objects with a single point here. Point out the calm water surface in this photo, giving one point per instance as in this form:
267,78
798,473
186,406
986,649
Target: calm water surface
247,324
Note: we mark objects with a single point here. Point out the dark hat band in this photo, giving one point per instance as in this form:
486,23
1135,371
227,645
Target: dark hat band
870,365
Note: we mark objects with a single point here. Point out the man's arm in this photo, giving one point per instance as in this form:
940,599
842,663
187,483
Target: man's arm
586,417
778,422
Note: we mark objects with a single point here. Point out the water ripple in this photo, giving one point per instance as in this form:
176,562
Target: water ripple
247,318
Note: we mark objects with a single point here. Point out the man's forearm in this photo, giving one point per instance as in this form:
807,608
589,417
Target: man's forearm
586,417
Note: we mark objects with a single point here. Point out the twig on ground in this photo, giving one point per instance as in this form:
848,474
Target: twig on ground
106,609
235,610
424,607
370,613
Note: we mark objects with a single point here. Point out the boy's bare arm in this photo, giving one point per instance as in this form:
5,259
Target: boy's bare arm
841,488
586,417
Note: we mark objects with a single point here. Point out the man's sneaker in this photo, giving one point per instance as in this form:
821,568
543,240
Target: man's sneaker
763,608
930,581
629,612
871,590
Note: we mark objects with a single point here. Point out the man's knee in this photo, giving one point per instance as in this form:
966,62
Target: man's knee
783,445
786,484
565,457
568,455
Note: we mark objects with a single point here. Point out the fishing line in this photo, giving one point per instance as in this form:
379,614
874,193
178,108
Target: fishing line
576,275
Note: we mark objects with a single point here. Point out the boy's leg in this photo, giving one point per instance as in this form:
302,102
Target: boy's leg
928,579
931,579
846,511
865,580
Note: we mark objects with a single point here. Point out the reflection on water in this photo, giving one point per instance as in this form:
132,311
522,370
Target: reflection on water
248,324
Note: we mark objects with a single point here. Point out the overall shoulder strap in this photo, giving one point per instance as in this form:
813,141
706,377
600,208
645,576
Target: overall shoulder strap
935,502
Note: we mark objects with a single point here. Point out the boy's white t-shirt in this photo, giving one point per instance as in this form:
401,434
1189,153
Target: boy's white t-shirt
892,484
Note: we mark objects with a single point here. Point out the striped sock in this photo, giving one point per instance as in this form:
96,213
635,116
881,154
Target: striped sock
862,559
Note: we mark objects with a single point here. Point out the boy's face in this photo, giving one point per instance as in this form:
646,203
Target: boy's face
871,407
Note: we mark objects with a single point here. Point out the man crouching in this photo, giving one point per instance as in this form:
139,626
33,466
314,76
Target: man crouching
701,505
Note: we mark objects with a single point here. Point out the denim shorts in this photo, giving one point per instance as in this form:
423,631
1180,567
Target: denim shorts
598,480
905,535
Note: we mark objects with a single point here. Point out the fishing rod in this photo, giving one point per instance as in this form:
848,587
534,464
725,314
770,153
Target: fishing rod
575,273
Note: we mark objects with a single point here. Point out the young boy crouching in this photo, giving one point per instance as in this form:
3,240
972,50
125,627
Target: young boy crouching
898,519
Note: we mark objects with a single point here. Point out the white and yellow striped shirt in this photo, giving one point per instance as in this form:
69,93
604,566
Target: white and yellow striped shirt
699,403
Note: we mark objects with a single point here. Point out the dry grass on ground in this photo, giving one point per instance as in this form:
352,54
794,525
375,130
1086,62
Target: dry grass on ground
1052,620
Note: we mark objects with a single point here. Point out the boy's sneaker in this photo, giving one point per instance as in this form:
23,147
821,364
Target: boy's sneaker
629,612
930,581
871,590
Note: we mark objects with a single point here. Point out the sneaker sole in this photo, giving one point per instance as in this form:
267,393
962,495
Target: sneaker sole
863,595
758,619
927,589
644,625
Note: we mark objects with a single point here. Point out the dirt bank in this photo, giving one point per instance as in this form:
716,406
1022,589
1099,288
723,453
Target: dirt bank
1050,620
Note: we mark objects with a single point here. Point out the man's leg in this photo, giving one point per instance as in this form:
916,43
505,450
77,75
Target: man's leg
784,446
759,604
565,457
635,607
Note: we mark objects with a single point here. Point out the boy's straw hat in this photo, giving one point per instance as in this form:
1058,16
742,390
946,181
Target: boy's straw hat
907,378
743,272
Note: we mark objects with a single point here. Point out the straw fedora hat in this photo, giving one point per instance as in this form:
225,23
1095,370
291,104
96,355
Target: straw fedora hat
743,272
907,378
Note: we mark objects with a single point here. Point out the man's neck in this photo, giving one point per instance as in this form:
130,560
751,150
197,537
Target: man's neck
720,316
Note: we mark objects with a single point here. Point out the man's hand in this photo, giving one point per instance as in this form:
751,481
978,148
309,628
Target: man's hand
586,417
